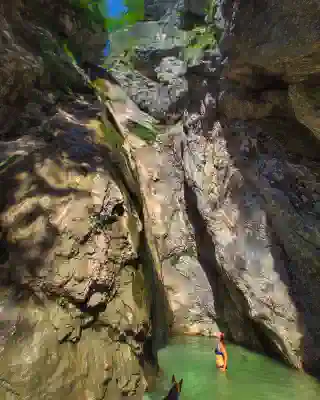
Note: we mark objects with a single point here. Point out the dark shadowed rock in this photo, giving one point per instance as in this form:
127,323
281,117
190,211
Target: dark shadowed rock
305,100
287,43
270,137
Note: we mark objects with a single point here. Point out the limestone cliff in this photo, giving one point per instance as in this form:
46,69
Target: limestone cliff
79,318
268,96
195,170
231,189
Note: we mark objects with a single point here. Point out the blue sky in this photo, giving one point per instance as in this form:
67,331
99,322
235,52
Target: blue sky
114,9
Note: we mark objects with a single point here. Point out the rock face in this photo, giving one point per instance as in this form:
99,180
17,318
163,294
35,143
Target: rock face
203,214
71,272
78,293
274,149
156,77
161,179
33,59
231,192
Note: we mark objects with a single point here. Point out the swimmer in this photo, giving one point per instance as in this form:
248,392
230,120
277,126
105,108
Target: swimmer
221,352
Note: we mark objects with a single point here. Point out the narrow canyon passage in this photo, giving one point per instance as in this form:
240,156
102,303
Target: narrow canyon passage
250,375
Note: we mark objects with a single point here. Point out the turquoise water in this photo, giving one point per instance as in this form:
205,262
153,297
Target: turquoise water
249,376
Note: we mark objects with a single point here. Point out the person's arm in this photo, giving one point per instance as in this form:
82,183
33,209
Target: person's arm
225,357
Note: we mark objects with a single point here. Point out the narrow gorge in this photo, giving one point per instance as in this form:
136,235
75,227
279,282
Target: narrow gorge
175,193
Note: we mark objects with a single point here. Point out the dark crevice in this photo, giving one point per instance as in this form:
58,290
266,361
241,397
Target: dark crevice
203,240
267,344
160,315
97,72
258,337
189,20
160,320
269,82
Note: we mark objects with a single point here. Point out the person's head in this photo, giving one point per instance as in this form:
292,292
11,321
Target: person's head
219,335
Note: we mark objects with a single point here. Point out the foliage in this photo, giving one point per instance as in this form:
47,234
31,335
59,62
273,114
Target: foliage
9,161
203,37
98,222
148,134
68,52
95,11
134,12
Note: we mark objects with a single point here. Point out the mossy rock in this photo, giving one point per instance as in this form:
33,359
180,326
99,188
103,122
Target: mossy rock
106,135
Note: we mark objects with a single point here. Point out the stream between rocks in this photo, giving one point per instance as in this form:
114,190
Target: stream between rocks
249,376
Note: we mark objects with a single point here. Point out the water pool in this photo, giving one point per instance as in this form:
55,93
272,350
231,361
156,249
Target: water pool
249,376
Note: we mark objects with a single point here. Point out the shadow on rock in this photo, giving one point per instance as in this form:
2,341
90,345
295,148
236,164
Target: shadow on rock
276,198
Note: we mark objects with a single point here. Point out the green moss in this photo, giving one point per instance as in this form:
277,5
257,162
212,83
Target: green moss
68,52
99,86
106,134
112,137
148,134
93,12
9,161
143,130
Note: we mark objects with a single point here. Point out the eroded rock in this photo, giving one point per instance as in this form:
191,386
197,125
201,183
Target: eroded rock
305,101
172,237
66,229
231,204
71,234
229,207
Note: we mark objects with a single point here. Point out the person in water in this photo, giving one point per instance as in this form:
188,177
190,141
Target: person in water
221,352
